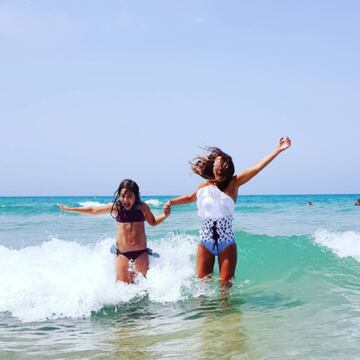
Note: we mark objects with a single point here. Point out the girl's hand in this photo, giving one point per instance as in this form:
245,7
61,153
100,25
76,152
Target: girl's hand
283,143
167,209
63,207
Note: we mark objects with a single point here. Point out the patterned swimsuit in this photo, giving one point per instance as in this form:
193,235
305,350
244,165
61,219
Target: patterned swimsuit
216,210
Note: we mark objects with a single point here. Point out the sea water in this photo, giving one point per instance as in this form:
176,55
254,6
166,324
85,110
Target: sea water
296,294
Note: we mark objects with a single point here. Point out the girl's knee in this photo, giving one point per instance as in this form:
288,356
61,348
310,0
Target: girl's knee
203,275
226,276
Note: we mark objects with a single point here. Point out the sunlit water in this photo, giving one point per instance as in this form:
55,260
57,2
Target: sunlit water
296,294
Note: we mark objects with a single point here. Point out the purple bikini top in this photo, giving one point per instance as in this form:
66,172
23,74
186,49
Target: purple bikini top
132,215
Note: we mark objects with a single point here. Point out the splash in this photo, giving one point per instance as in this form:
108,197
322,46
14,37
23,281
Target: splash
59,279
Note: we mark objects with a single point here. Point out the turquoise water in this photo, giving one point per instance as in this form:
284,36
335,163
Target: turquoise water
296,294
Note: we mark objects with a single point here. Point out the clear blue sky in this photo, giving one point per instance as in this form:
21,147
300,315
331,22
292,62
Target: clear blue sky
92,92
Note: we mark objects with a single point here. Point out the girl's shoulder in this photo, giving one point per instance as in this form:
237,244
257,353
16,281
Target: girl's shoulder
204,184
232,183
143,206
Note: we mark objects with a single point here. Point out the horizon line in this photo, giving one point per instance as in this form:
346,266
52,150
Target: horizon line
167,195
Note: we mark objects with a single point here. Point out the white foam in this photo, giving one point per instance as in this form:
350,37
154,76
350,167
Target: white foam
343,244
91,204
153,202
66,279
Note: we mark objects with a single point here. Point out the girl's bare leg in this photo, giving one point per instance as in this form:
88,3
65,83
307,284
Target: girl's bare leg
142,263
227,265
204,262
122,269
125,269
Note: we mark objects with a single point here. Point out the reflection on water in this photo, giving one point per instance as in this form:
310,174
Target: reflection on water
201,328
222,335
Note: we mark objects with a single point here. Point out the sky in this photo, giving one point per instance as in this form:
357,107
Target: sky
92,92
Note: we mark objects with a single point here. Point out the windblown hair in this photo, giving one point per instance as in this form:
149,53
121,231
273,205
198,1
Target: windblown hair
203,166
129,185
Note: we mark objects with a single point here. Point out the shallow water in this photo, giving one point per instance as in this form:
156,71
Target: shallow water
296,292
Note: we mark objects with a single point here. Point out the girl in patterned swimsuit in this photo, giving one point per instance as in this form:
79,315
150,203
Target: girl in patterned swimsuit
130,213
216,198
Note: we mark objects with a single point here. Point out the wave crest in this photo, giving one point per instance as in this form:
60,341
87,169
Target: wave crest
343,244
59,279
153,202
91,204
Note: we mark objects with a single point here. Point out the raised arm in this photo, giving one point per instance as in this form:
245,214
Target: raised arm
149,216
248,174
91,210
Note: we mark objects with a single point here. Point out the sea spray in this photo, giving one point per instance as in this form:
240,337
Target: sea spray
66,279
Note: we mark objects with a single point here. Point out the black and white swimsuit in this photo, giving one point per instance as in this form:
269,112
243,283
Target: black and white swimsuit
217,212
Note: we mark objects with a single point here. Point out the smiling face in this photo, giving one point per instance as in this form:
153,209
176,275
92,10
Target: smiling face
219,170
217,167
127,199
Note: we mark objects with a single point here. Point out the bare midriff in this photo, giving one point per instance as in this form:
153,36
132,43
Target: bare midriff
131,236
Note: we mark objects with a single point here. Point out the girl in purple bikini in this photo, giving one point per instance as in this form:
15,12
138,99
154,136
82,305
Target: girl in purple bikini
132,253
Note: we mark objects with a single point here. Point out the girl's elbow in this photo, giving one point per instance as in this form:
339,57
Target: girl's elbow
152,222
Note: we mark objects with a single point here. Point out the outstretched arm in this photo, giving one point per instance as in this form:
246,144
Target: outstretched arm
92,210
182,200
248,174
149,216
185,199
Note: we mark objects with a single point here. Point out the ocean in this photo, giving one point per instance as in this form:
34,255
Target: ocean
296,294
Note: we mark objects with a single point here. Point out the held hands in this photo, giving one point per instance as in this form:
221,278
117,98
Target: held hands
283,143
167,208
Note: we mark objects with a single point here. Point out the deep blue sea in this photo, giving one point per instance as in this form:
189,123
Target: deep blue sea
296,294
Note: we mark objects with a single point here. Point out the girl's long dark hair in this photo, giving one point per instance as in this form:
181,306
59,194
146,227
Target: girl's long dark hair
203,166
129,185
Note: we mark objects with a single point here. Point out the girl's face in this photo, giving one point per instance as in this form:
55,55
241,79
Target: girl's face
127,199
219,173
